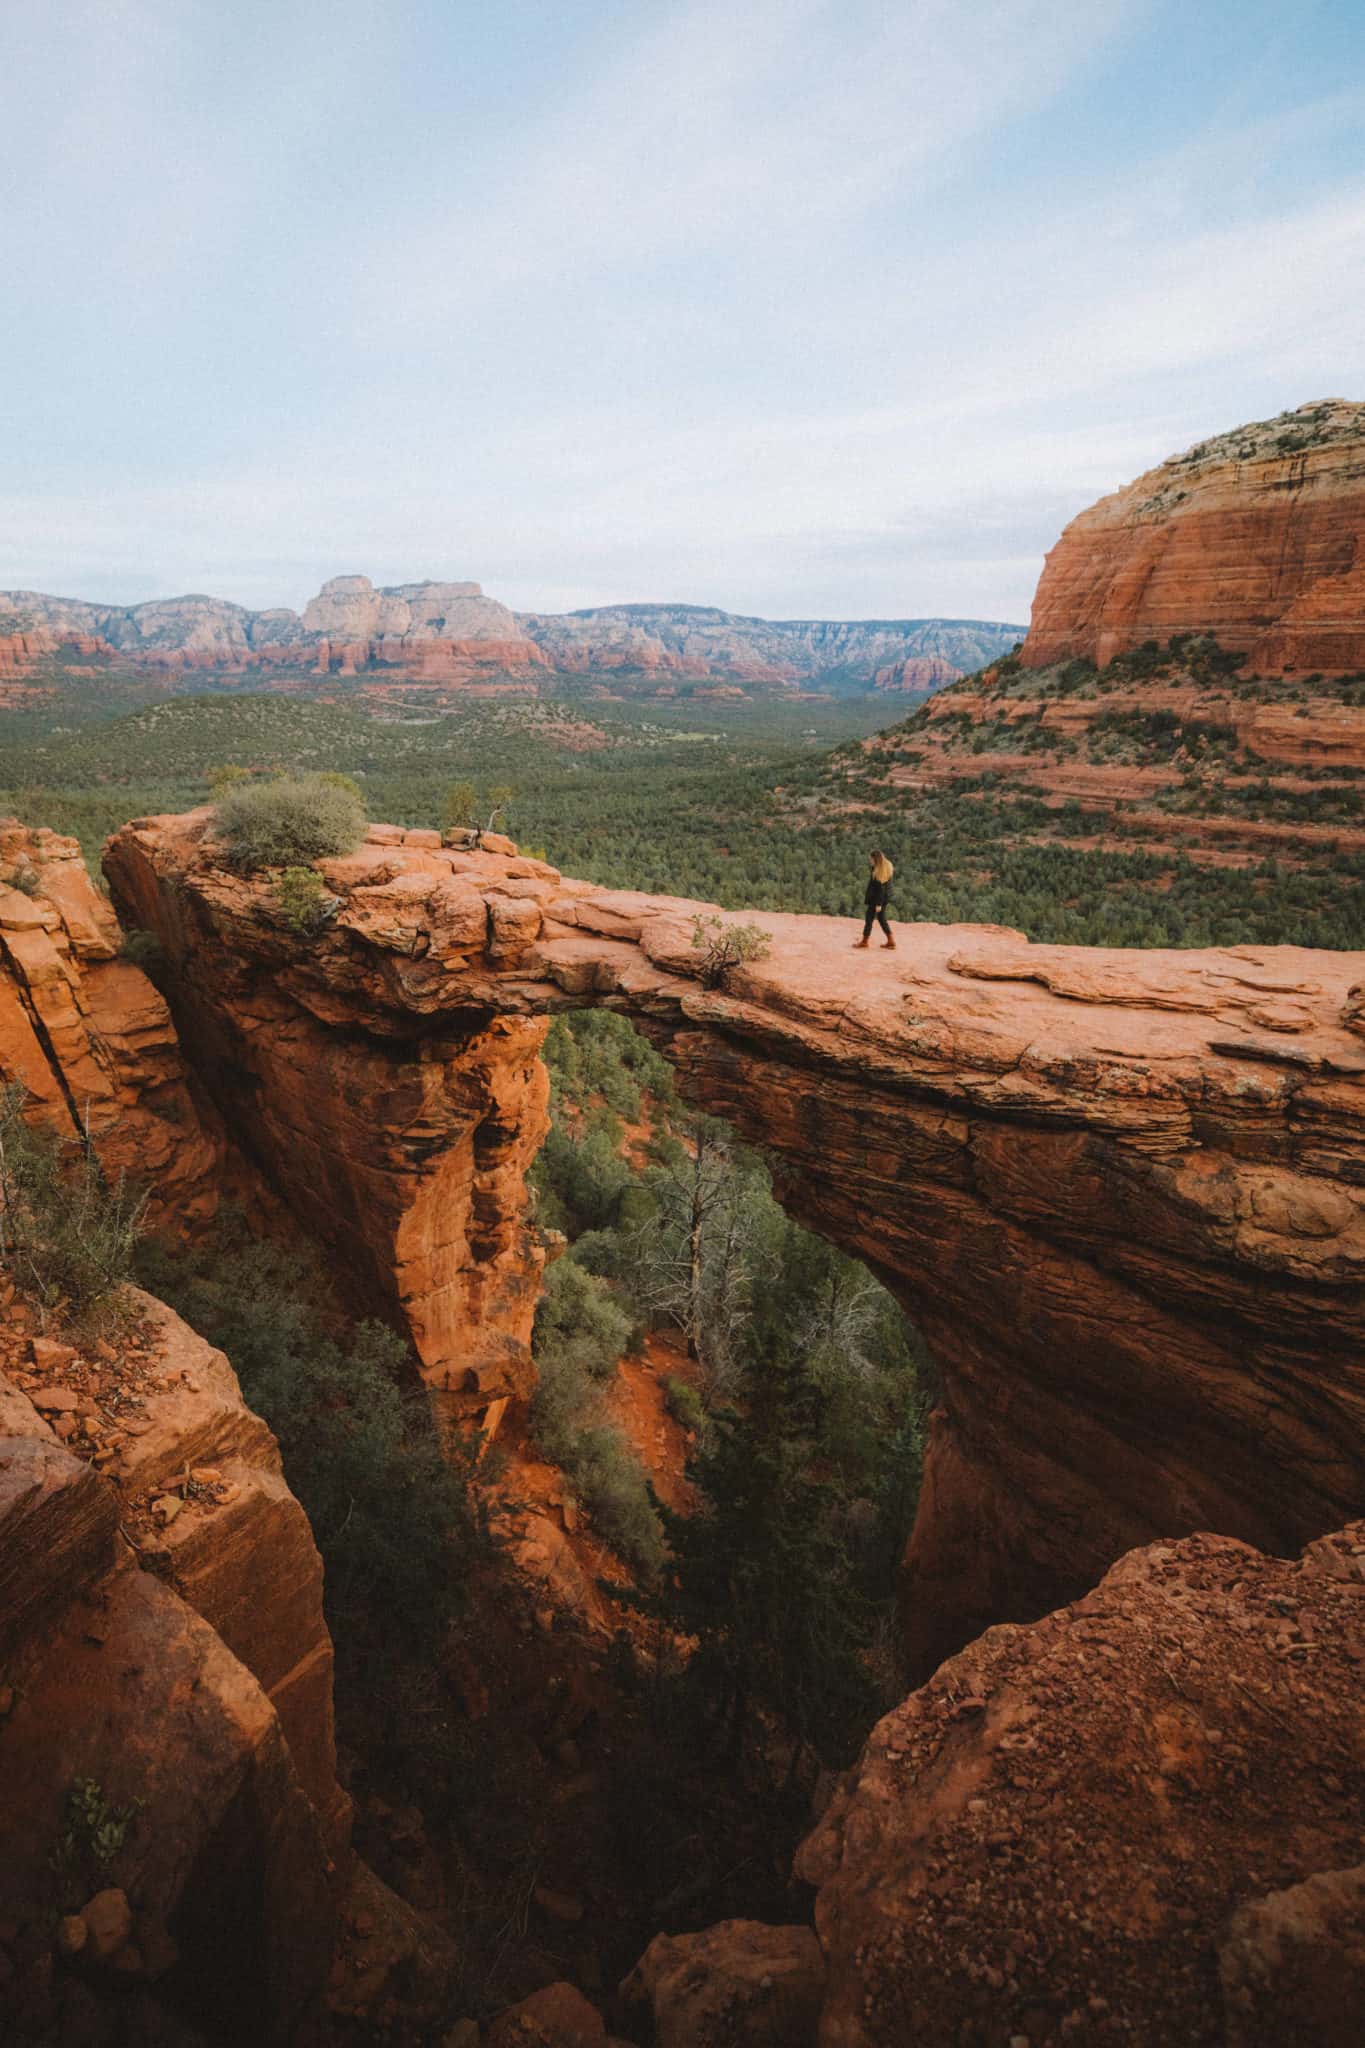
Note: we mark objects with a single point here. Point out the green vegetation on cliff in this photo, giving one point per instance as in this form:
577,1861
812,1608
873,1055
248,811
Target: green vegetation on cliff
805,1393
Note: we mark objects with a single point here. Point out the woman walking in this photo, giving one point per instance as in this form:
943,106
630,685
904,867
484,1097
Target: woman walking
876,899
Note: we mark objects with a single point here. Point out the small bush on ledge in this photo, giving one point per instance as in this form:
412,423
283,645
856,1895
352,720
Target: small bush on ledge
304,902
723,946
290,821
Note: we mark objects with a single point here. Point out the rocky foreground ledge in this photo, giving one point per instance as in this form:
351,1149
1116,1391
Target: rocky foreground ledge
1122,1193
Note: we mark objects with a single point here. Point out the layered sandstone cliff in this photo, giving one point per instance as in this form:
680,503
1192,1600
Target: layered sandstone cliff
1256,536
88,1037
167,1676
452,633
697,641
1120,1192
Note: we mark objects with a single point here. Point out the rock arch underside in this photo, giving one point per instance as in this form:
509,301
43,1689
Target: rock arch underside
1121,1193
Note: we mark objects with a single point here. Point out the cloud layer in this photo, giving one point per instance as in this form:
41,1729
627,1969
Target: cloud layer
793,307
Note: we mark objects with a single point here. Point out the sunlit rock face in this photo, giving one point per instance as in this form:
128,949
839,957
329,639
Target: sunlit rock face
1256,536
88,1037
1120,1192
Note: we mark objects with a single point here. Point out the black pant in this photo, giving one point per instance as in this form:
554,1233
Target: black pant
876,913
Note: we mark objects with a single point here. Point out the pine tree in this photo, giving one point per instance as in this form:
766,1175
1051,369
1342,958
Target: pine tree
762,1581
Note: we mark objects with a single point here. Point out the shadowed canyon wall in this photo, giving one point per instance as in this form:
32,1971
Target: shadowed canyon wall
161,1624
1123,1194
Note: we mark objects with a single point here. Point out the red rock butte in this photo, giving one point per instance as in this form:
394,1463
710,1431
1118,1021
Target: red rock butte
1121,1193
1256,536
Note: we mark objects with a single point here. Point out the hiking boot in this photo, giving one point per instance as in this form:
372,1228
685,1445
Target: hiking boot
858,945
888,942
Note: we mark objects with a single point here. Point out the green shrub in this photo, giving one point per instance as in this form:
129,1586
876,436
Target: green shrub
303,899
579,1181
390,1512
684,1403
580,1320
595,1052
289,821
723,946
67,1231
581,1332
93,1835
608,1480
143,949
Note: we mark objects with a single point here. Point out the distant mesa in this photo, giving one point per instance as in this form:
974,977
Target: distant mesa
442,633
1256,536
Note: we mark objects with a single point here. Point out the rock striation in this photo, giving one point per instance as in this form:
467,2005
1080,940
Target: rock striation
694,642
1256,536
88,1037
1123,1194
438,632
1137,1820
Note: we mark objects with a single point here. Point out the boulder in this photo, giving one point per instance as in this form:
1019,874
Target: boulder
557,2017
1292,1965
1050,1838
738,1984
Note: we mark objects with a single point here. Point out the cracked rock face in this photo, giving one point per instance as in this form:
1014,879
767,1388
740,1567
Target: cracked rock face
88,1036
1120,1192
1256,536
180,1666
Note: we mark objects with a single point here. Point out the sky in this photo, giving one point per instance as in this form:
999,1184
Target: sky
802,309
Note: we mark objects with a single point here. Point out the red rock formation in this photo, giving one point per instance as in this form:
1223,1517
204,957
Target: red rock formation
1133,1821
424,660
448,632
186,1693
88,1036
19,651
738,1984
1120,1192
917,672
1257,537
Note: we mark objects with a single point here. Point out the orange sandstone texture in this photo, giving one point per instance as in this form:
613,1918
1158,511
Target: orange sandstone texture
1121,1192
88,1036
1257,536
193,1693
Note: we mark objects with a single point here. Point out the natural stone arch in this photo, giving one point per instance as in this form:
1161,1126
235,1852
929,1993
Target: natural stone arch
1120,1193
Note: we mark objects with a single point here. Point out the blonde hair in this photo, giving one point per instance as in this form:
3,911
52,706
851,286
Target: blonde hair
882,870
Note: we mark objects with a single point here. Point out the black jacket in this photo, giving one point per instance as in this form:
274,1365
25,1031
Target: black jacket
878,894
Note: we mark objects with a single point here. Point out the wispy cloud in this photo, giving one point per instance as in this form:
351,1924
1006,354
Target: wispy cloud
789,306
730,126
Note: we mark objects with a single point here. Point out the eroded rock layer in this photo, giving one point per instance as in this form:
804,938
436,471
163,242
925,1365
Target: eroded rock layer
1256,536
167,1763
1123,1194
438,632
87,1036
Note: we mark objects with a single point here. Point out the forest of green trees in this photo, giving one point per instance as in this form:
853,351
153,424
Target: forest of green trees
807,1405
763,805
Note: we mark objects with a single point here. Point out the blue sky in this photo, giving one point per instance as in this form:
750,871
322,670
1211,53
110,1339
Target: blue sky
797,308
